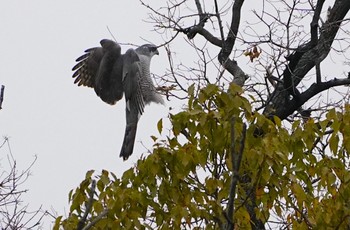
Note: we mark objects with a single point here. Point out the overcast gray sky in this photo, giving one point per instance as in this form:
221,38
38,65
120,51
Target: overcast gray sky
67,127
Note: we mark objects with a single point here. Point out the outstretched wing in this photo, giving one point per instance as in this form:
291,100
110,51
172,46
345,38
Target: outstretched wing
101,68
132,74
87,67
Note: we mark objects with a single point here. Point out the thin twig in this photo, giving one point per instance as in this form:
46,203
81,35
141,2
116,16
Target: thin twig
219,21
303,215
110,32
318,73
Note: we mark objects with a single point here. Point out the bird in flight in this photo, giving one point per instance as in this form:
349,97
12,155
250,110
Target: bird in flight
113,74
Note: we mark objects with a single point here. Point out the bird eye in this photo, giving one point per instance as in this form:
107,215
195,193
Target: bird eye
153,49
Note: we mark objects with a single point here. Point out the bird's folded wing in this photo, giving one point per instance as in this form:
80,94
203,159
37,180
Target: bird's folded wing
132,74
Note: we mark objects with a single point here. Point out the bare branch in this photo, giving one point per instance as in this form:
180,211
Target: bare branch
219,20
314,23
231,65
303,60
205,33
2,89
313,90
14,215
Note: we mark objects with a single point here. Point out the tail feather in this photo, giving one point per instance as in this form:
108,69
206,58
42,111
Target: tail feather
129,140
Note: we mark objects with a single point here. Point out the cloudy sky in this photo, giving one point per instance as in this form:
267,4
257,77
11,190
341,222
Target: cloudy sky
44,114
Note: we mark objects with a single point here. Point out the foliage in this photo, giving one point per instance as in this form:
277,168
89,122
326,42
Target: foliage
292,175
297,177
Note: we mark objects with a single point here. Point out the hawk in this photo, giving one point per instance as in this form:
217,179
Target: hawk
113,74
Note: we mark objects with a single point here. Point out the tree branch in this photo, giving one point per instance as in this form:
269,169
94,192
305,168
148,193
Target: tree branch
236,159
97,219
314,22
88,206
231,65
203,18
205,33
304,59
306,220
2,89
219,21
313,90
192,31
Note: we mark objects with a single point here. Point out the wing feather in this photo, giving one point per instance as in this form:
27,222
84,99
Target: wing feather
132,74
82,57
101,68
87,67
108,81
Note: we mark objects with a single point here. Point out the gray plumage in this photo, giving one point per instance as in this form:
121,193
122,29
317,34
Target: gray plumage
112,74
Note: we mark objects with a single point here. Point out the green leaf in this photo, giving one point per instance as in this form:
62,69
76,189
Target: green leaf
298,192
160,126
57,223
98,208
70,195
333,142
235,89
154,138
210,89
211,185
191,90
277,121
89,174
331,115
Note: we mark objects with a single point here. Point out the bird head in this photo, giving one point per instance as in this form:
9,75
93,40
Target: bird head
148,50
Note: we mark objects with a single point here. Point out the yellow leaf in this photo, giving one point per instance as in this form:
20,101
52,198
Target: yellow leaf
333,142
277,121
160,126
298,192
57,223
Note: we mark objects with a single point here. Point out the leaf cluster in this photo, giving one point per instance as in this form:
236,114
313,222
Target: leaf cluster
297,175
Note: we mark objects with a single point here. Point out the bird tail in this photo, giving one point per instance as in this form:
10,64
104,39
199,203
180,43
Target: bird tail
129,140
